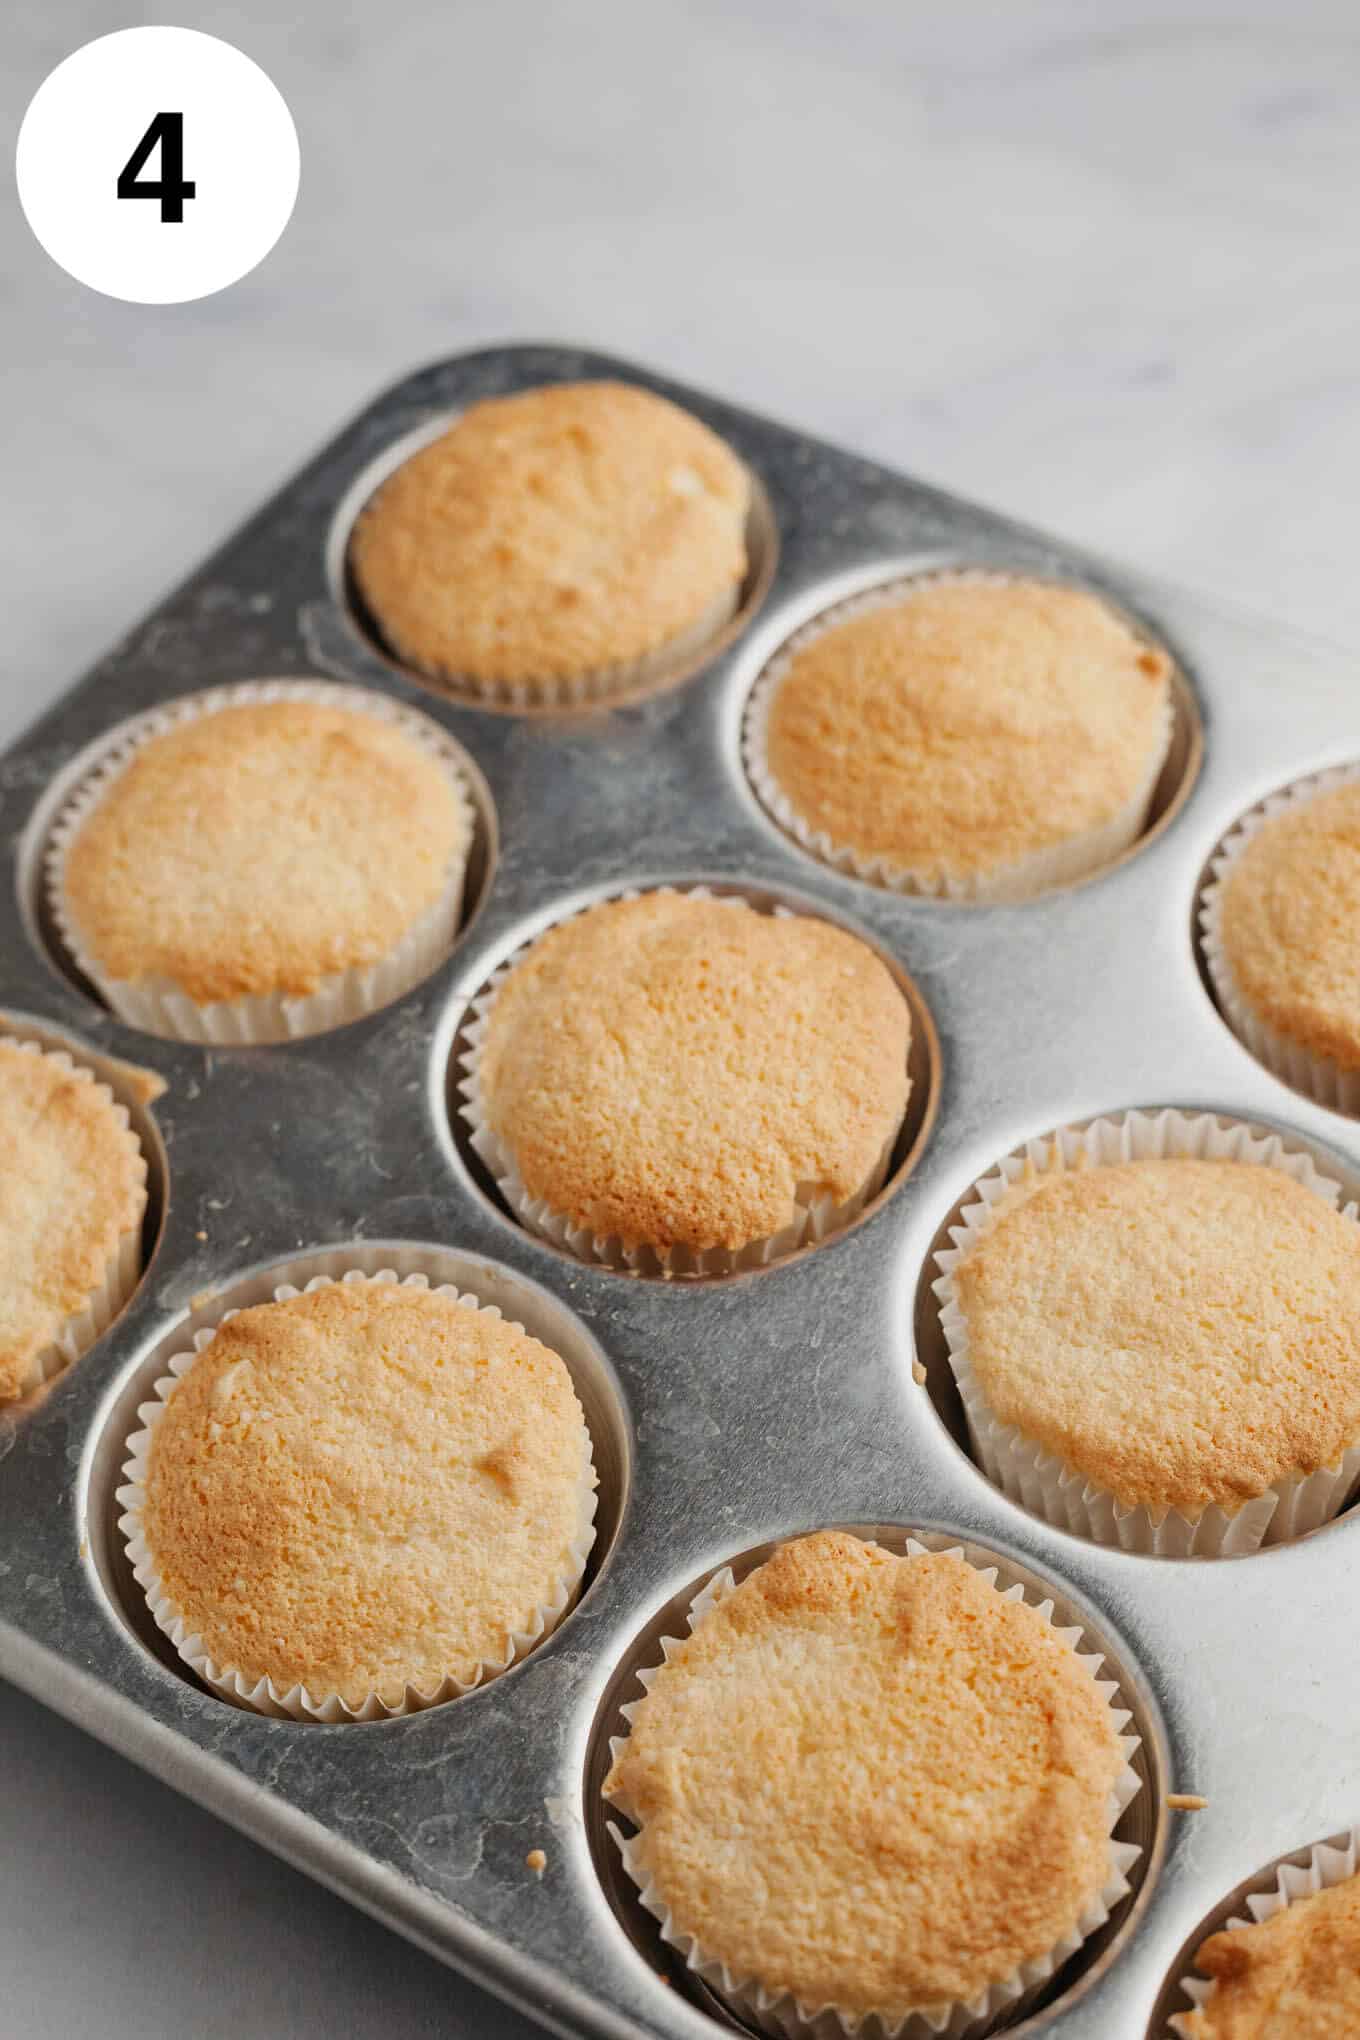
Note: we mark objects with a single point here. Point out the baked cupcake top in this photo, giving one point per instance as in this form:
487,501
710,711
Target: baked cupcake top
1182,1332
871,1781
553,534
72,1183
263,847
676,1070
967,724
1295,1976
1290,924
365,1487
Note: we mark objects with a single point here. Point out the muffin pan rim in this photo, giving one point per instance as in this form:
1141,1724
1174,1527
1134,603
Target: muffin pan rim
668,772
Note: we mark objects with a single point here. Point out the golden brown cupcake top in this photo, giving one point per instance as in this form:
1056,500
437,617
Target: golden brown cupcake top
968,724
1182,1332
871,1781
675,1070
553,535
365,1487
1295,1976
1291,924
72,1183
264,847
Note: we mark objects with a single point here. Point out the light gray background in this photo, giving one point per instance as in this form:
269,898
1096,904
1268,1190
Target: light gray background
1089,260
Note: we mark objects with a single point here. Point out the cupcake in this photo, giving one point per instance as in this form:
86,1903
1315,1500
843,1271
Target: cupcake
1291,1970
965,735
678,1084
72,1199
360,1499
558,546
873,1788
262,862
1155,1328
1281,920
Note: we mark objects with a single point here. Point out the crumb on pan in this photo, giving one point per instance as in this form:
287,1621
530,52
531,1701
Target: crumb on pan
1186,1802
144,1085
536,1861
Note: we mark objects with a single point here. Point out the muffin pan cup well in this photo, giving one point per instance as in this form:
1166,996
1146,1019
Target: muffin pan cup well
160,1006
1318,1867
738,1410
1065,862
300,1702
780,2013
1042,1481
817,1217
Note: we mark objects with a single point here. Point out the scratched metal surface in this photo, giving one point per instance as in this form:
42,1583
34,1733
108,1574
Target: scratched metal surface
727,1414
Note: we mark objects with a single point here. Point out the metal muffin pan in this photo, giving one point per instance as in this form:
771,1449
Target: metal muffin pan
729,1413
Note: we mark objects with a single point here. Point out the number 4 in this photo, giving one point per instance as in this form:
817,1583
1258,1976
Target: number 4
170,187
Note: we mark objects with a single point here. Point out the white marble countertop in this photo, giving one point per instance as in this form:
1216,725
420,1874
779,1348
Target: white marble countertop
1095,265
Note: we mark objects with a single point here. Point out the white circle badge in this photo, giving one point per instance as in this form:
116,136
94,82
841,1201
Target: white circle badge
157,165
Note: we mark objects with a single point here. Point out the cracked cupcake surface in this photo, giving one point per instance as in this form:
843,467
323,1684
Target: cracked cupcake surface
1294,1976
871,1781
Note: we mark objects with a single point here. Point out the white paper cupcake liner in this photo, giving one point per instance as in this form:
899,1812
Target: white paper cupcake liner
1059,864
298,1703
605,683
157,1004
122,1271
817,1216
1318,1076
780,2013
1328,1865
1041,1481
